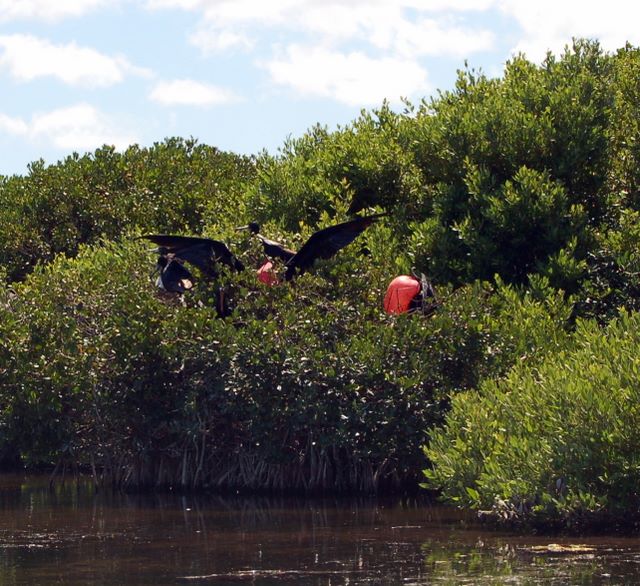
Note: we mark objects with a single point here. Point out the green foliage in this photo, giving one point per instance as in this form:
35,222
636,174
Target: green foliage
554,442
517,196
514,167
624,132
170,187
309,387
360,166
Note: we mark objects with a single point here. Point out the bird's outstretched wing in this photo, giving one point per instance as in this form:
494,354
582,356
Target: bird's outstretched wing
275,249
271,248
327,242
203,253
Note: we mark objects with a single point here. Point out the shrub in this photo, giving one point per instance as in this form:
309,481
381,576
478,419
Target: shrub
172,186
306,387
554,442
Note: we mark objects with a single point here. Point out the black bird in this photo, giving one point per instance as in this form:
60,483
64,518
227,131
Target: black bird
327,242
203,253
174,276
271,248
425,301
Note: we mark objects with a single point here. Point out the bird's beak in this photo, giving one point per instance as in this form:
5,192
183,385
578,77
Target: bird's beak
243,227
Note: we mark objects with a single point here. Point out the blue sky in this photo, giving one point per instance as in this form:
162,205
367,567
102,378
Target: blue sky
243,75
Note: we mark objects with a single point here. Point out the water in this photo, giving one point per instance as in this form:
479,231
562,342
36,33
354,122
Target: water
71,536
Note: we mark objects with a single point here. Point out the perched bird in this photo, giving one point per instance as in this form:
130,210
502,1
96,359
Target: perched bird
327,242
173,275
425,301
410,294
203,253
271,248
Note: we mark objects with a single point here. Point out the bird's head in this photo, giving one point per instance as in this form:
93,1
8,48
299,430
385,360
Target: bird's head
253,227
161,263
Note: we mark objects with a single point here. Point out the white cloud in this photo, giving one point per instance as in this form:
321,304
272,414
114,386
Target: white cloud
450,5
27,57
48,10
351,78
412,27
13,126
230,12
357,52
213,40
550,25
187,92
278,11
425,30
432,37
80,128
181,4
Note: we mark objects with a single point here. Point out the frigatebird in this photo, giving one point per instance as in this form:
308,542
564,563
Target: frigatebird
327,242
271,248
173,275
425,301
203,253
322,244
410,294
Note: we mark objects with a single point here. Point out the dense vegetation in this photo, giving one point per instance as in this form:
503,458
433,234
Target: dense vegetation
555,444
518,196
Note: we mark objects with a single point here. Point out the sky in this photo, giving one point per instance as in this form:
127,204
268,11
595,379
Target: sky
244,75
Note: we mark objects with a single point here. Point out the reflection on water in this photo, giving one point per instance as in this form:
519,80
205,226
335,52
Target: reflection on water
71,536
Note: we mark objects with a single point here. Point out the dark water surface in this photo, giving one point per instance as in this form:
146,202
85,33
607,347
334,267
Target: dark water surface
69,536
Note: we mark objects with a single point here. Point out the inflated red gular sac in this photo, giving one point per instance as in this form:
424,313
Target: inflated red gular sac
409,294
